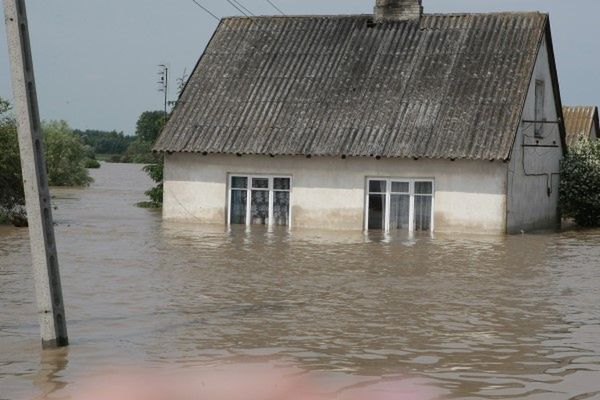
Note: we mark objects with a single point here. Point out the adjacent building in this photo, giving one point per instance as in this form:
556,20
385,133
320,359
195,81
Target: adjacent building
398,120
581,122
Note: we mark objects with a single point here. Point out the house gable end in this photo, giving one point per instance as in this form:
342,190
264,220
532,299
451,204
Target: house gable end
533,172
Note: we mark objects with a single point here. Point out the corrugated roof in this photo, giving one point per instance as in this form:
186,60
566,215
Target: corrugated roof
579,121
449,86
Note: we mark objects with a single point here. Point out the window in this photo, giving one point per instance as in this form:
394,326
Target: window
539,109
259,200
396,204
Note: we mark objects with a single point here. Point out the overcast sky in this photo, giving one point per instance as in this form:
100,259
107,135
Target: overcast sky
96,60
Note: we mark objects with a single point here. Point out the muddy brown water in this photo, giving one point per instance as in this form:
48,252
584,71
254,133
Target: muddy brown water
475,317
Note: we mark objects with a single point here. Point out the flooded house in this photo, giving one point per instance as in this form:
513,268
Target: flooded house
399,120
581,122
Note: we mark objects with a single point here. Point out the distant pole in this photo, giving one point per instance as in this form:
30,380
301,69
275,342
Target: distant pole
37,196
166,93
164,87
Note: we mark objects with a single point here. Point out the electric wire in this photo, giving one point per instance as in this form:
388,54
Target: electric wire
275,7
244,7
238,8
206,10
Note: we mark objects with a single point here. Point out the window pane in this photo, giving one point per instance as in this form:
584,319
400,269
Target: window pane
259,213
239,182
423,188
423,206
238,206
376,211
377,186
399,211
260,183
400,187
281,183
281,208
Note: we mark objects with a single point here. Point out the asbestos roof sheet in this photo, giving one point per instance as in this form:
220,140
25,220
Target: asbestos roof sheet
447,86
579,121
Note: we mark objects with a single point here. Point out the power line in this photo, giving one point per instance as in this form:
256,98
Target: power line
238,8
206,10
244,7
252,17
218,19
275,7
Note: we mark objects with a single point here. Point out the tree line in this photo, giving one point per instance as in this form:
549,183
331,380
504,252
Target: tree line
70,153
67,160
580,183
113,146
105,143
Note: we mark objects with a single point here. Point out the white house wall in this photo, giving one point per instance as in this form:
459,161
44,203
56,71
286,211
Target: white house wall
529,205
329,193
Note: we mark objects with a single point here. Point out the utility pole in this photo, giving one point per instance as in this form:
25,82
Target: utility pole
163,82
37,195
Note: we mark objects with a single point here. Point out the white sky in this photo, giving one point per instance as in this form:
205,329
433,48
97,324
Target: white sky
96,60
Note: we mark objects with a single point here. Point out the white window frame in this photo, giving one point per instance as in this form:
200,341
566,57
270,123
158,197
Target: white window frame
388,201
249,190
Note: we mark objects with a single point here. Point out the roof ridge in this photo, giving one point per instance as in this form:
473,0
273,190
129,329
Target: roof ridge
341,16
491,13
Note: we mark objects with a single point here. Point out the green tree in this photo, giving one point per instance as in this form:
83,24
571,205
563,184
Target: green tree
149,126
4,109
12,198
139,152
65,155
580,183
155,171
104,142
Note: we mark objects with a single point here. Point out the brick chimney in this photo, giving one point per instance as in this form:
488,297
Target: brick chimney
398,10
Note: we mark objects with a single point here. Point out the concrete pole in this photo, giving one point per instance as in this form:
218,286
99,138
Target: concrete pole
37,196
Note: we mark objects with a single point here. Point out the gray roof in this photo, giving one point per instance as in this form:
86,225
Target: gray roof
579,121
449,86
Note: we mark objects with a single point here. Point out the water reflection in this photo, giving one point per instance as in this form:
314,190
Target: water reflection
48,378
475,316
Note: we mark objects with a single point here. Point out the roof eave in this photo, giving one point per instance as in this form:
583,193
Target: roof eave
596,121
556,85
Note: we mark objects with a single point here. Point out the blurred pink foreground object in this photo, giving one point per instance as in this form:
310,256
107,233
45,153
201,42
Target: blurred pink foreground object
237,383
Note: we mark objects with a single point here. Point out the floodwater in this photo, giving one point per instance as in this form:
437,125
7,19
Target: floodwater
472,317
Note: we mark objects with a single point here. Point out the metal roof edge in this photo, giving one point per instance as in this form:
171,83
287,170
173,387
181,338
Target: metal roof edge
556,86
373,156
